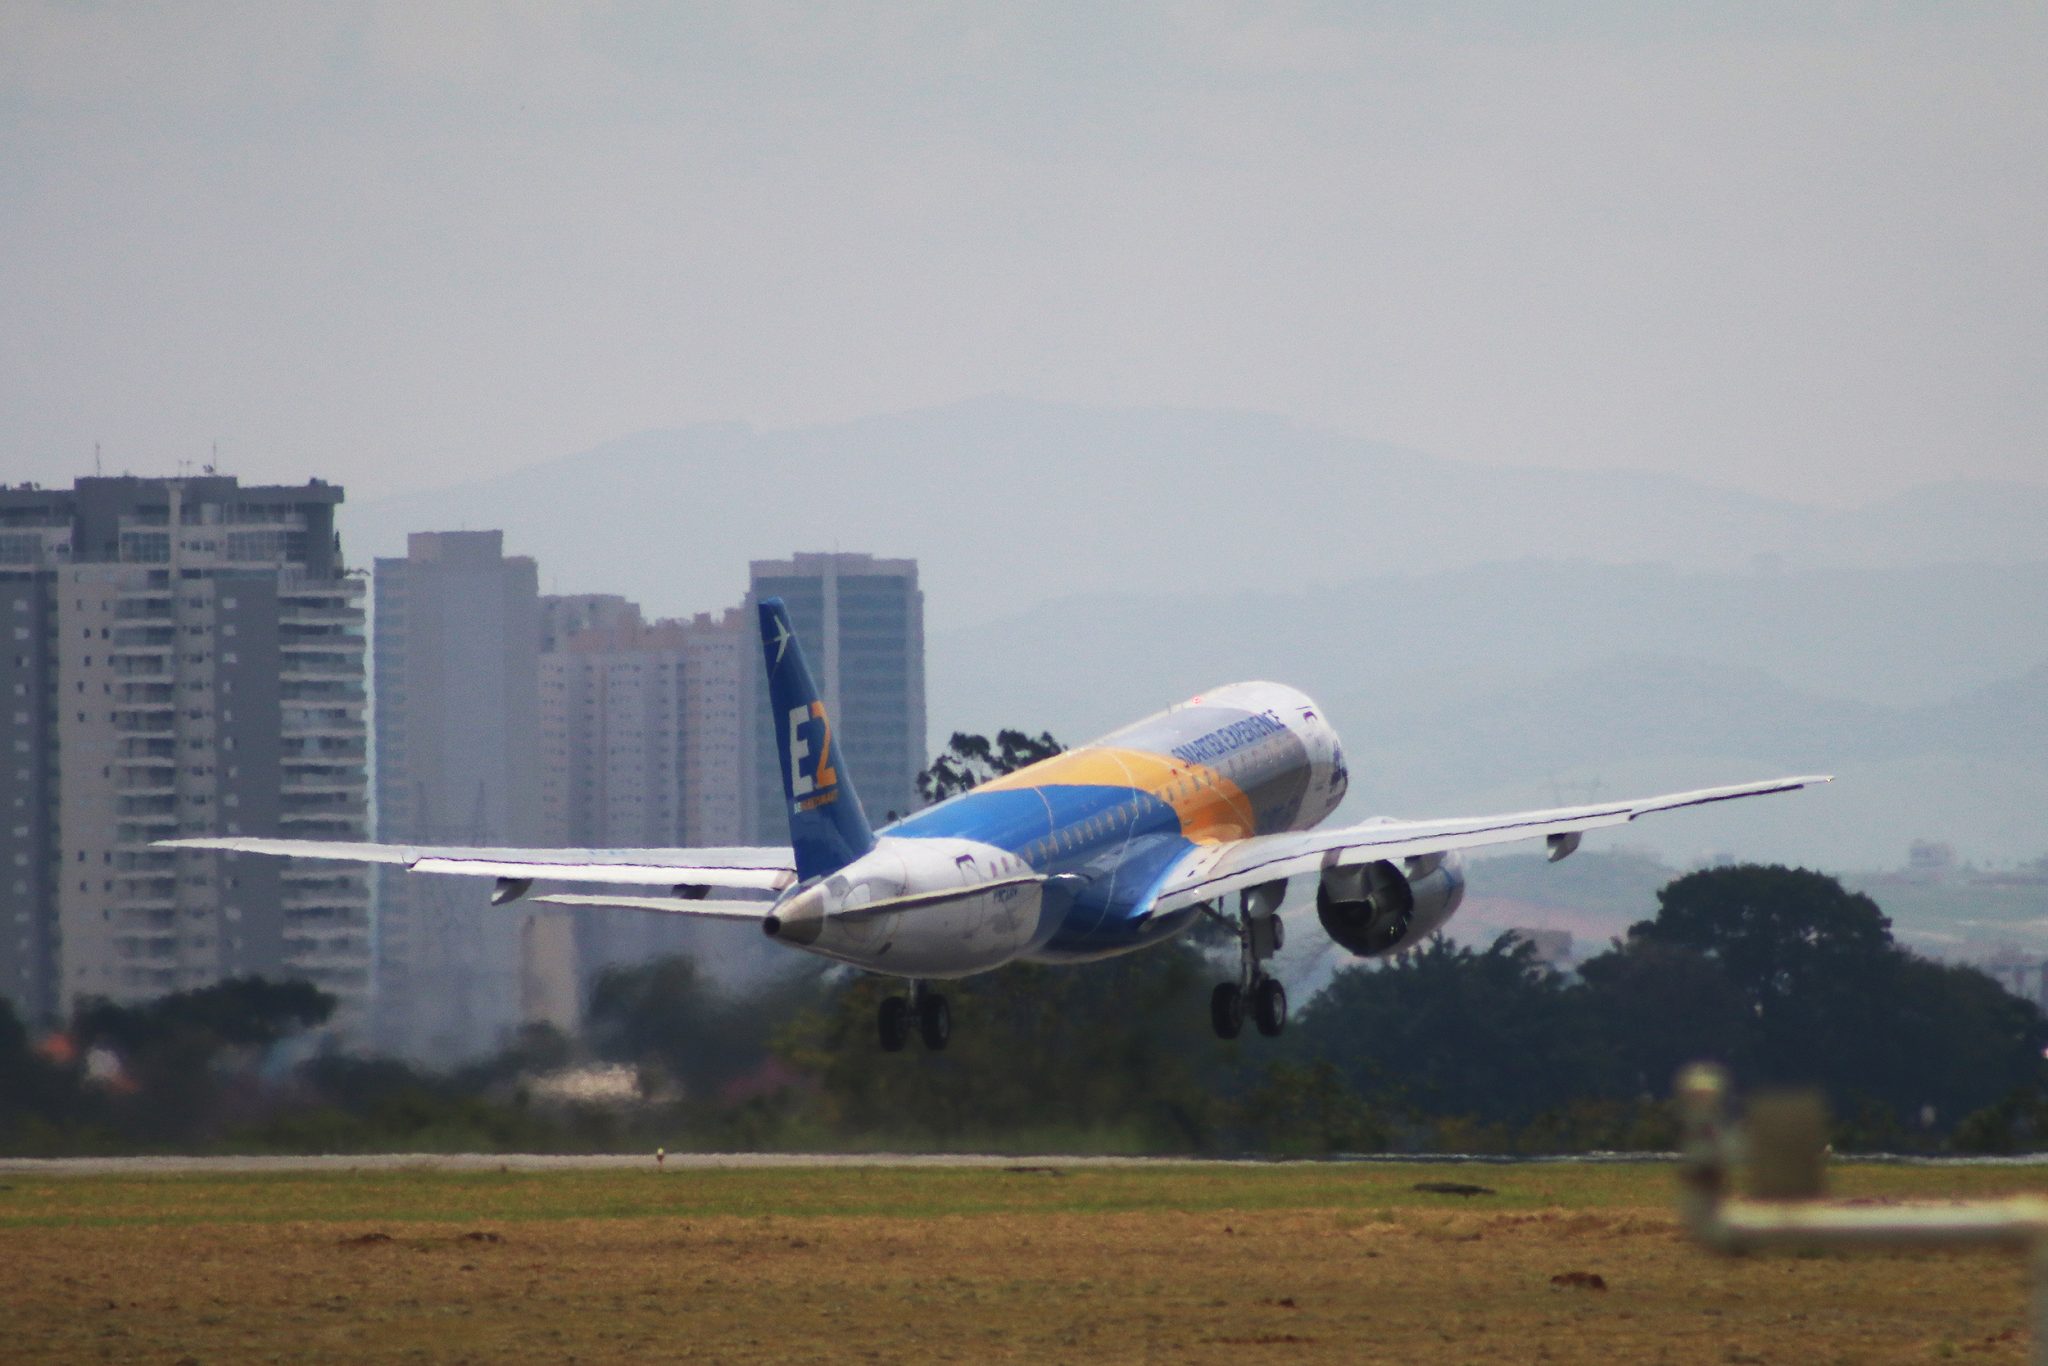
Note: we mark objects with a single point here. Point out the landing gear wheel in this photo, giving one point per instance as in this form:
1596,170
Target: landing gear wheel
1226,1010
1269,1006
894,1023
934,1021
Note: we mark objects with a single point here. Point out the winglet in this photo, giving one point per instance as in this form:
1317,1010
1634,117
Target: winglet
827,827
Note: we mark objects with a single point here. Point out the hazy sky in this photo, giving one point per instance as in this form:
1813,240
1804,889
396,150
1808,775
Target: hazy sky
1797,249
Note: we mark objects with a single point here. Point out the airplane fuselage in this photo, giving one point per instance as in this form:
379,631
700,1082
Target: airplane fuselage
1070,852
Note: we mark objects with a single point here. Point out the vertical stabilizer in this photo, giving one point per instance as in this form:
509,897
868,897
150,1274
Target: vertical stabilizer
827,828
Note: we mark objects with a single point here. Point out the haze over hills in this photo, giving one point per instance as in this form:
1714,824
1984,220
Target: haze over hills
1008,502
1484,637
1509,686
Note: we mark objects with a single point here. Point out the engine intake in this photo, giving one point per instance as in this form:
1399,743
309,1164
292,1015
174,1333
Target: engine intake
1376,908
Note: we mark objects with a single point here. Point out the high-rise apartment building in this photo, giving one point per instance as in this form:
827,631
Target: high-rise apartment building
458,762
861,621
640,727
563,615
183,657
640,731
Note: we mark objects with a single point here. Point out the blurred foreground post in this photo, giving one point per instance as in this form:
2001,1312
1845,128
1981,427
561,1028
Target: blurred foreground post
1785,1143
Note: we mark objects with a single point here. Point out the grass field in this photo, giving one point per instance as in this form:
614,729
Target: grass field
1155,1263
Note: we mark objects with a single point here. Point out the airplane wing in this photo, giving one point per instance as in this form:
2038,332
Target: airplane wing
736,869
1212,871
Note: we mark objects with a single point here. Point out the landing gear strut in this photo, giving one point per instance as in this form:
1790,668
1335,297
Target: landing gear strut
1259,936
926,1009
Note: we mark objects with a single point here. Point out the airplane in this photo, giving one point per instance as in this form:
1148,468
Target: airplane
1097,851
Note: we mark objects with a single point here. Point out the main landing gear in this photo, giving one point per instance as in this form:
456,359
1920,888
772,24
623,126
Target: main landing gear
926,1009
1259,936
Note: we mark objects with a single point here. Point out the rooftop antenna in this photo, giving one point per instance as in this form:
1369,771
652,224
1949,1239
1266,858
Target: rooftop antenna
96,459
208,469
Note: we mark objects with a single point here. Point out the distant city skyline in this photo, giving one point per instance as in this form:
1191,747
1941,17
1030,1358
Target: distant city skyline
1787,250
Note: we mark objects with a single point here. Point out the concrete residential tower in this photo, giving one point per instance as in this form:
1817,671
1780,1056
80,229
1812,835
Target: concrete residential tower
458,762
640,727
193,650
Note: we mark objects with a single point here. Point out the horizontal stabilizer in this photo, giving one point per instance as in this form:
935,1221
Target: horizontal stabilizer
671,905
740,868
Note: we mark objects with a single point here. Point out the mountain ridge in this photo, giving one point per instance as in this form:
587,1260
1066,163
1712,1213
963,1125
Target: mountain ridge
1009,501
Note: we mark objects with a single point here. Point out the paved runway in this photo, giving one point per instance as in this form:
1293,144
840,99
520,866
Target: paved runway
540,1162
545,1162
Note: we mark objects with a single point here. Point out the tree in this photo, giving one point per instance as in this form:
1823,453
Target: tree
239,1012
1950,1038
178,1050
970,760
1307,1108
42,1103
1825,998
1446,1031
1779,932
1661,1006
1109,1054
666,1013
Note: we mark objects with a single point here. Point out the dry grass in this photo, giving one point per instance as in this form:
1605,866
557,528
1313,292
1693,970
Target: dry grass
1319,1263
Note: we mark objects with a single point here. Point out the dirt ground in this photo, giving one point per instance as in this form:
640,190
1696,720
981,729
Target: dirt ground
1040,1265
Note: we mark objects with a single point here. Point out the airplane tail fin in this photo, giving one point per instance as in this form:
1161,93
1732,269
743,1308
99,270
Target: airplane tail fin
827,827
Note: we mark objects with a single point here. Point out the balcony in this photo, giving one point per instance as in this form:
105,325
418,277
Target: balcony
322,825
343,803
152,780
337,794
154,947
344,690
325,905
293,635
143,665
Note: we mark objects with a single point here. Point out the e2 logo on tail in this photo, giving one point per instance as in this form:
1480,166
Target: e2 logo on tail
817,783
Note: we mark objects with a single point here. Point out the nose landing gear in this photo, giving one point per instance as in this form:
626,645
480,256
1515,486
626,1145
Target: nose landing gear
1259,936
926,1008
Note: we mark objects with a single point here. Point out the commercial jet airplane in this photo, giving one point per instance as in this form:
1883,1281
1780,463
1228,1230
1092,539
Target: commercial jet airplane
1098,851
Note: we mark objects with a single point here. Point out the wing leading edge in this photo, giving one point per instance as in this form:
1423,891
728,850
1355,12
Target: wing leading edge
1213,871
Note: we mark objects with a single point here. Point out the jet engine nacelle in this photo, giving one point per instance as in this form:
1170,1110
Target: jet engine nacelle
1375,908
